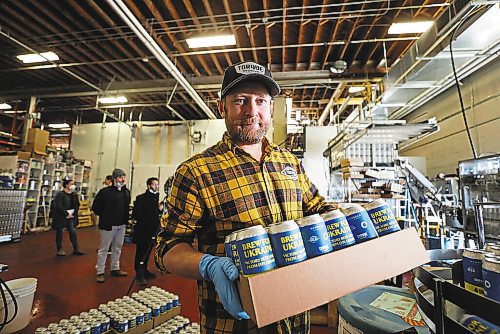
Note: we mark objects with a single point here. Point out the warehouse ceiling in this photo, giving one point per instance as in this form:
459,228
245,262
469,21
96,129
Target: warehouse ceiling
100,55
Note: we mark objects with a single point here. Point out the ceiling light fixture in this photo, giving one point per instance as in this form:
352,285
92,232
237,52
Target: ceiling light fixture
112,99
14,111
5,106
210,41
410,27
58,125
38,57
339,66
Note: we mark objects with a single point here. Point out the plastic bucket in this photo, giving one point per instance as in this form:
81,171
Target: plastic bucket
24,292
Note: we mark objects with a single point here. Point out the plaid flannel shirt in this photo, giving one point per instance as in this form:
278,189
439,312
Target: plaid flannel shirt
224,189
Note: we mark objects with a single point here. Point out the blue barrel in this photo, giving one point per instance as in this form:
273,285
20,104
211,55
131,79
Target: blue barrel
382,217
491,277
315,236
360,223
339,232
357,315
254,250
288,246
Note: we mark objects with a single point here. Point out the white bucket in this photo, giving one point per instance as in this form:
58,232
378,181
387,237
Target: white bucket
24,292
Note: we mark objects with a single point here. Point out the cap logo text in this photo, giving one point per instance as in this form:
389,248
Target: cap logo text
250,68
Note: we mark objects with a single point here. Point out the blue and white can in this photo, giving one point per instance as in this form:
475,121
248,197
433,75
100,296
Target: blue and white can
473,270
360,223
491,277
230,249
339,232
254,250
382,217
315,236
475,324
287,243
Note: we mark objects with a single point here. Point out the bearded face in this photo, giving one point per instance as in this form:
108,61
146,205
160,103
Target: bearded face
247,112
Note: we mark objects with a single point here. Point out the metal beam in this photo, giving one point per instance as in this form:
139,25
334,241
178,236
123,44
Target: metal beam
122,10
335,95
208,83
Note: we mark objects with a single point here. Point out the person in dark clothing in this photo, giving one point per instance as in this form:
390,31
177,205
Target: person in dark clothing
146,212
111,205
65,216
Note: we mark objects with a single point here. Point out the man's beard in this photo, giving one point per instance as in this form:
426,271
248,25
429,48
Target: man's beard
242,134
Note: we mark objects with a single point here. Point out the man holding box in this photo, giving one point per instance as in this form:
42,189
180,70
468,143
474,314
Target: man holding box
243,180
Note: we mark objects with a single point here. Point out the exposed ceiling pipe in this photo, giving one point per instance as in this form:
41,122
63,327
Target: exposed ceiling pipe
53,63
329,105
121,9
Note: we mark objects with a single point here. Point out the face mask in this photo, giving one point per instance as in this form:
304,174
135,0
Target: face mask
119,184
153,191
72,187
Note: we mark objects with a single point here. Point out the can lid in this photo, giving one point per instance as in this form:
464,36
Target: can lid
332,215
375,204
352,209
250,232
310,220
287,225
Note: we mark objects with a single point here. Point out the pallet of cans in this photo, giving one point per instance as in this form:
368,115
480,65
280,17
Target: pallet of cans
178,324
482,270
136,314
343,244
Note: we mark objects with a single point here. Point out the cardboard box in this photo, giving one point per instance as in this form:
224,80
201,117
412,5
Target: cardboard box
22,155
167,316
283,292
37,140
141,329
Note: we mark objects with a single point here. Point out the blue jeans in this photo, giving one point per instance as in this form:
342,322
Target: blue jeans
70,226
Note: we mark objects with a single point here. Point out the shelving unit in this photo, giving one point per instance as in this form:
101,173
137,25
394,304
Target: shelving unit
32,221
21,174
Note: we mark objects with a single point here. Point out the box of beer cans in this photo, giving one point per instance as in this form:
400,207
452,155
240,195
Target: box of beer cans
296,265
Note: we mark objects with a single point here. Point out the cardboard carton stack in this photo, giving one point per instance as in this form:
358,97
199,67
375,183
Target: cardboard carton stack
36,144
352,168
383,188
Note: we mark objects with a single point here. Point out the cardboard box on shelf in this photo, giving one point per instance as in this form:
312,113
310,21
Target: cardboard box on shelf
22,155
353,162
37,140
314,282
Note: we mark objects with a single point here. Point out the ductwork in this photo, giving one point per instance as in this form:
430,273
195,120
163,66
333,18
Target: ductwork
425,71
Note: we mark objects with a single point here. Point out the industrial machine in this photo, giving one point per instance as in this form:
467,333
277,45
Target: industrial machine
480,188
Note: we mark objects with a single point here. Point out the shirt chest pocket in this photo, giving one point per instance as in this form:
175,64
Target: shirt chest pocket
286,188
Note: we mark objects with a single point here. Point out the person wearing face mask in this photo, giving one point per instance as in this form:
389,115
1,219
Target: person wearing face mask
146,212
111,205
243,180
65,216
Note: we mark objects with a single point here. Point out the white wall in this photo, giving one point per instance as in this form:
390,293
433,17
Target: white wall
154,150
315,164
444,149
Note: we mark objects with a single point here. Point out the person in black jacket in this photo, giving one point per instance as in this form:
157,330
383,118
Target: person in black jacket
65,216
111,205
146,212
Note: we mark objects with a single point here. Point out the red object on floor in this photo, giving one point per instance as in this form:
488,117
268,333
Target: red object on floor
67,286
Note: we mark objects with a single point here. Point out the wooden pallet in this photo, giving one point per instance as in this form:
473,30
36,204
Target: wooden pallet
326,315
85,215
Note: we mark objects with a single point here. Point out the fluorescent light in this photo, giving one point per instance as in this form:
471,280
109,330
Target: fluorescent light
5,106
356,89
38,57
58,125
209,41
14,111
112,99
410,27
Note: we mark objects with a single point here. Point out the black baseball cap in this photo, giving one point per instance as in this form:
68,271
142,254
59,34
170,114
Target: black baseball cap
237,73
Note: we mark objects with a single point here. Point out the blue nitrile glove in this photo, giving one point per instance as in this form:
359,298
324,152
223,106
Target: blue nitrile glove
223,273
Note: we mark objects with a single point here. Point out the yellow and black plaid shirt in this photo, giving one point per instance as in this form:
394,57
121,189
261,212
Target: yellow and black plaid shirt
224,189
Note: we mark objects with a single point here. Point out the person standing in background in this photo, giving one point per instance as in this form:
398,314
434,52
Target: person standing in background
111,205
147,214
108,181
66,207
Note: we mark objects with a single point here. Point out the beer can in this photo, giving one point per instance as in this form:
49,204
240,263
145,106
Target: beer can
287,243
315,236
360,223
95,327
473,275
339,232
491,277
254,250
475,324
121,325
175,301
105,324
382,217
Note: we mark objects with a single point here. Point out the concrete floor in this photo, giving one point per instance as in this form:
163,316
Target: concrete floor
66,285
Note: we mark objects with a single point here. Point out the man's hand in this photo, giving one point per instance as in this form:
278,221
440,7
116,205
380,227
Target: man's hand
223,273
